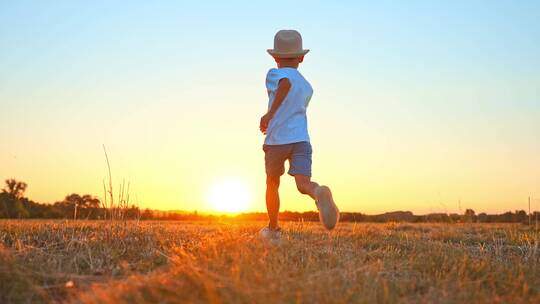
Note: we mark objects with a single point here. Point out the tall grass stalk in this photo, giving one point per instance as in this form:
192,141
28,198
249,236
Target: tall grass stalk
115,211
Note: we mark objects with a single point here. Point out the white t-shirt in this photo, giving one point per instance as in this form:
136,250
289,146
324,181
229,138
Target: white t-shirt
289,124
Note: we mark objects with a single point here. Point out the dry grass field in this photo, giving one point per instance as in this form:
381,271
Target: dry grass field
225,262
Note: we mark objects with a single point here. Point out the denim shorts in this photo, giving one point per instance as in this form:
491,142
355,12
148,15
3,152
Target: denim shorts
298,154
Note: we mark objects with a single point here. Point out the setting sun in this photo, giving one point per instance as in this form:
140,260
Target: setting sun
229,195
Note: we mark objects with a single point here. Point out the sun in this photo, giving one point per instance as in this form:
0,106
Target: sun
229,195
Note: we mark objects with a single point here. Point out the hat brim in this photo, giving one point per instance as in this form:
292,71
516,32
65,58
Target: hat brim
278,54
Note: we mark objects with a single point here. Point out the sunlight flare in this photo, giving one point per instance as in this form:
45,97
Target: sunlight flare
229,195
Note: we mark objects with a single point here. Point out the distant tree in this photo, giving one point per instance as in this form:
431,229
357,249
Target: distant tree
437,217
469,216
482,217
15,188
75,203
14,207
147,214
20,210
4,212
11,205
132,212
74,200
454,217
521,216
506,217
90,201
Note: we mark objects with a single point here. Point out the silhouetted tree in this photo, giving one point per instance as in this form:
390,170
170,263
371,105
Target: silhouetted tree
521,216
3,207
12,207
15,188
469,216
147,214
508,216
79,205
10,200
482,217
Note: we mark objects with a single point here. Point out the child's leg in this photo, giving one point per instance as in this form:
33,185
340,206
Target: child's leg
305,185
274,160
328,211
272,200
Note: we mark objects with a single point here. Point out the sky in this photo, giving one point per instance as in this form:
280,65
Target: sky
427,106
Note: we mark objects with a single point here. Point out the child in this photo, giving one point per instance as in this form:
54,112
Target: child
285,126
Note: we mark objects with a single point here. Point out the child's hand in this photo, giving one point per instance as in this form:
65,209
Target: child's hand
265,120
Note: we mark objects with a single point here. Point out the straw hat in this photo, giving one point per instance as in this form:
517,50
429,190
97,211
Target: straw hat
287,44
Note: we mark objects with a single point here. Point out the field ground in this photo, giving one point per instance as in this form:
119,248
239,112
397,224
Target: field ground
225,262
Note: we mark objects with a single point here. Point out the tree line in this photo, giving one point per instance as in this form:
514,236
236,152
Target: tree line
13,204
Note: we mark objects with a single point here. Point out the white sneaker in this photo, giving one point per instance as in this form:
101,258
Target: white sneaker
328,211
270,234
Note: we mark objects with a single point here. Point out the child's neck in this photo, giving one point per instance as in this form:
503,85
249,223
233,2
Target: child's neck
288,65
292,63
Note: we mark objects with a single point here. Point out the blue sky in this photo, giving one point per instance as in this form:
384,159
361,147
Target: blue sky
405,93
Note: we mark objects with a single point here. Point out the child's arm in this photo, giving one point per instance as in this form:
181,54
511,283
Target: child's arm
283,89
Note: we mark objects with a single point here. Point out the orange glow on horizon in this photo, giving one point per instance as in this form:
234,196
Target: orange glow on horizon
230,195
